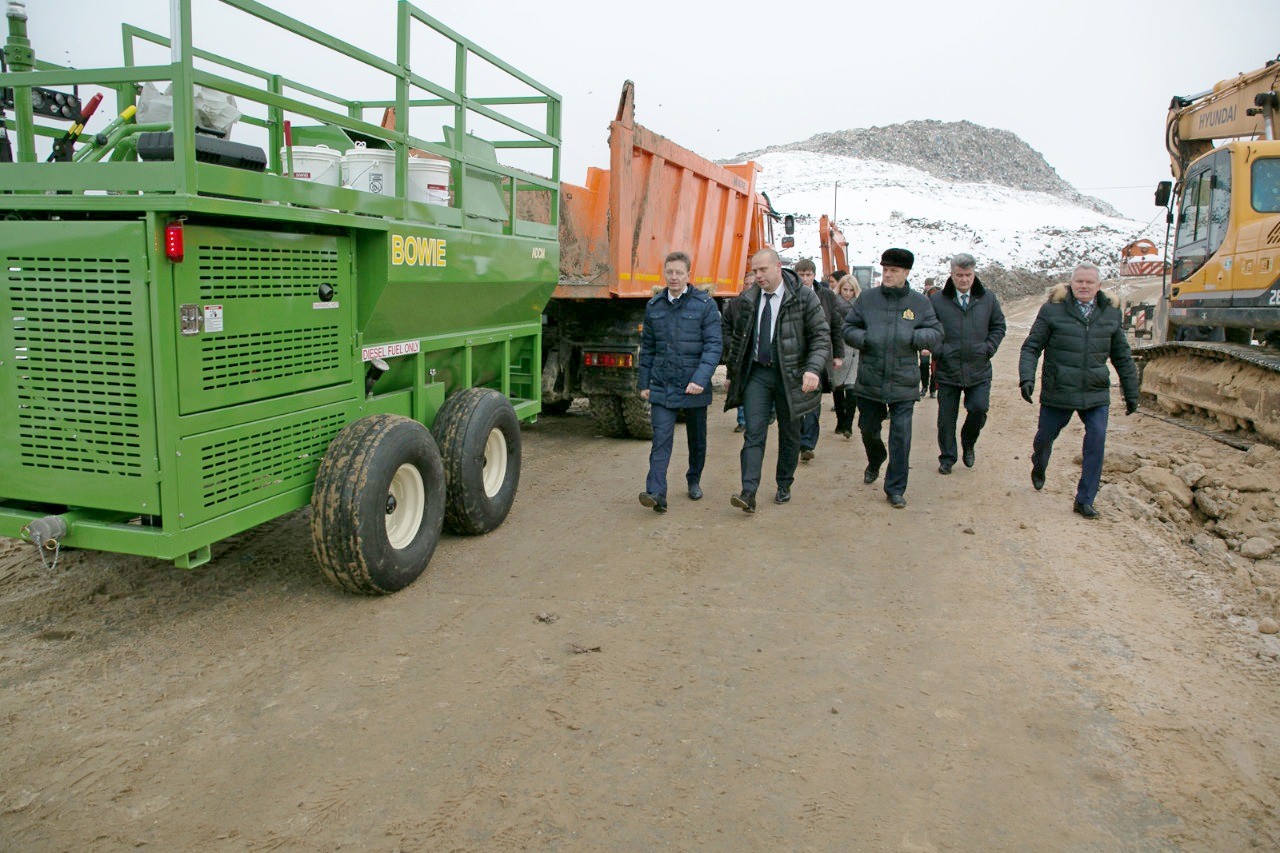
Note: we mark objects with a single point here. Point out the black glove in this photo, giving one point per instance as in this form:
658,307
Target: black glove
1130,406
1028,388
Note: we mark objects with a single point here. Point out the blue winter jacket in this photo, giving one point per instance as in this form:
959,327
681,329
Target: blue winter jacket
680,343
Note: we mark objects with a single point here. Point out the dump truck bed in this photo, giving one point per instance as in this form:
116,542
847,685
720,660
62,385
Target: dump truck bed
656,197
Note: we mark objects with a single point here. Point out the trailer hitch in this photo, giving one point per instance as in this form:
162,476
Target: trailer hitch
47,534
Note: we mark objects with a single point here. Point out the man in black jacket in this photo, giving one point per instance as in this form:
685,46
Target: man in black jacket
809,426
778,347
1078,329
890,324
972,328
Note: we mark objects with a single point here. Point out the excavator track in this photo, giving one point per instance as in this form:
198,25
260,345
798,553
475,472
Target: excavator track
1236,386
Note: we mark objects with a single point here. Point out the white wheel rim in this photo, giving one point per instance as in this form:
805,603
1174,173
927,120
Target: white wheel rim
495,462
406,504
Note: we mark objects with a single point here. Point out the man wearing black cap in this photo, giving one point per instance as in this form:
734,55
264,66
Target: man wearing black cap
889,325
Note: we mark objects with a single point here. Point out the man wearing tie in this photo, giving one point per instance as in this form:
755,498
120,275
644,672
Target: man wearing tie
779,345
972,328
1078,329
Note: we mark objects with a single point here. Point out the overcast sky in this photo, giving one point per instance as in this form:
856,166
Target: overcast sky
1084,82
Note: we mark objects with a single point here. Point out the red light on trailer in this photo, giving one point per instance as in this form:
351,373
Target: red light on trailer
173,248
608,359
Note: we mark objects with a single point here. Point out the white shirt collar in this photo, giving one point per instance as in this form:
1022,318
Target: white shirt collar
672,299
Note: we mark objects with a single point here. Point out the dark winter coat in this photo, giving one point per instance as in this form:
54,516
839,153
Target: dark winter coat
728,320
802,343
889,326
969,338
679,344
830,302
1075,374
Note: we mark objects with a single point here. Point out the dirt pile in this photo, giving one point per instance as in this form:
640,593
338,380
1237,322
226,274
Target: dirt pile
958,151
1222,505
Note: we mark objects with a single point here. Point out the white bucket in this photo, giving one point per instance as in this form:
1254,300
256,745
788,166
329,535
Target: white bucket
370,170
320,165
429,180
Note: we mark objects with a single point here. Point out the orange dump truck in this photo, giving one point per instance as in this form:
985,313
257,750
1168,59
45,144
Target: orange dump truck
656,197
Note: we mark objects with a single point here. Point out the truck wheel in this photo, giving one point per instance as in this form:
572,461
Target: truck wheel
635,412
606,416
378,505
480,439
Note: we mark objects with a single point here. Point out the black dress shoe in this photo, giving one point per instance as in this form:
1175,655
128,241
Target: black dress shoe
897,501
783,495
967,456
1037,478
944,467
870,475
1086,510
695,492
746,501
655,502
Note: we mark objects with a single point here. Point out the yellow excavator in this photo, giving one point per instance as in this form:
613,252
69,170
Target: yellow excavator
1217,328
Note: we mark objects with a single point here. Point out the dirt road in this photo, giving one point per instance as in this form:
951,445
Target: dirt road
983,670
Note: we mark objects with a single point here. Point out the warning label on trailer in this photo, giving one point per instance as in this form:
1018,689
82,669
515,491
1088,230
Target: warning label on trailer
213,318
390,350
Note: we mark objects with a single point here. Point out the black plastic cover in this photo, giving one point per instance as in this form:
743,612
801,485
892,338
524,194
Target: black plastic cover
209,149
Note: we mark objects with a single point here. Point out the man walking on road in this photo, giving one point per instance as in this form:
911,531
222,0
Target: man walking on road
889,325
779,346
809,426
972,328
1078,328
679,350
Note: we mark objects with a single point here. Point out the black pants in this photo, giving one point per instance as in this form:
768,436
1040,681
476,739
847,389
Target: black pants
764,390
871,415
926,361
846,407
977,400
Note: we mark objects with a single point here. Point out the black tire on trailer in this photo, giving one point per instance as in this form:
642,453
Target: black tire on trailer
378,505
480,440
635,414
606,416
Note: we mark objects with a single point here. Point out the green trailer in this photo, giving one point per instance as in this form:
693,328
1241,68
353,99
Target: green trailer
193,340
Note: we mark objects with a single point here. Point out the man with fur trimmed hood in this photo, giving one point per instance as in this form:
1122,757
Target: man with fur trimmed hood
972,328
1078,329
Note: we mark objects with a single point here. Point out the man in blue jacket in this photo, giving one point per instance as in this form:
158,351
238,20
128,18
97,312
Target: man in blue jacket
1078,329
889,325
679,350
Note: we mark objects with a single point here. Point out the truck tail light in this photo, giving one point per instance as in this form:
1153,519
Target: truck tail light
608,359
173,248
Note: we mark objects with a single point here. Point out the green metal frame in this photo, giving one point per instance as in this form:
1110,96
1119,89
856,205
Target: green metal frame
474,320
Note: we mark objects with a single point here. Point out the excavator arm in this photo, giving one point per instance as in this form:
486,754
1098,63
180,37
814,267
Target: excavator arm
1244,106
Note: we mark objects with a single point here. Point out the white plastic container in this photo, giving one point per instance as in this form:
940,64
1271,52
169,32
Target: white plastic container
319,165
429,180
370,170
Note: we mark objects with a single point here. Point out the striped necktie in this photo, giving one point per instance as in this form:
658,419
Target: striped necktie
964,302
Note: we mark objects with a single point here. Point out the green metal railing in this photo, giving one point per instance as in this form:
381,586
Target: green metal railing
45,185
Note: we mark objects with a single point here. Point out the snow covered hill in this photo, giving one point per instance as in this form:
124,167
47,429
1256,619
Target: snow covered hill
880,204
